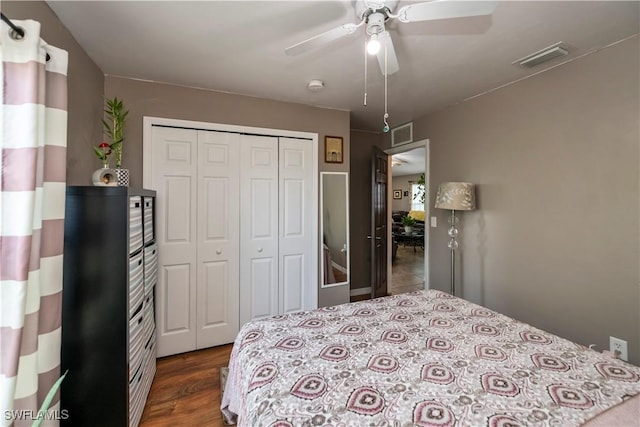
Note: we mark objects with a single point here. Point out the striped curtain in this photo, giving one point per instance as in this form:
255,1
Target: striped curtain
33,131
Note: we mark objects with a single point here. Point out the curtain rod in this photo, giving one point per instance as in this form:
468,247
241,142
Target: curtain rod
19,31
13,26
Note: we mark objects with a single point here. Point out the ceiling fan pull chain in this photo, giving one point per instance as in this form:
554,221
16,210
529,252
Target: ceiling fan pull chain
365,73
386,114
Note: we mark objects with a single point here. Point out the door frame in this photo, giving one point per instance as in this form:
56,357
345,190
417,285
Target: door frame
427,210
149,121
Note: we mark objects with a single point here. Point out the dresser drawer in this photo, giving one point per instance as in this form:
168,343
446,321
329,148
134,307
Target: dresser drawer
150,369
136,282
150,349
150,267
149,232
136,342
149,322
137,396
135,223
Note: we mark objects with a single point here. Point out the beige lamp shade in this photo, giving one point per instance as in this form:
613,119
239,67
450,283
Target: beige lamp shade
458,196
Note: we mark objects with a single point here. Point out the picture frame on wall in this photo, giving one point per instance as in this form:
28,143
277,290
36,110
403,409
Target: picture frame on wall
333,149
397,194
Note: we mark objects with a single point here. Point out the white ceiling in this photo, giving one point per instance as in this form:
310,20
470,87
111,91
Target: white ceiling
408,163
238,46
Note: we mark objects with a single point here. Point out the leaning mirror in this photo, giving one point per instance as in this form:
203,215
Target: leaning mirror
334,228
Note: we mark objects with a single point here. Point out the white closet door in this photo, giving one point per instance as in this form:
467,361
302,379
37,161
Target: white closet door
298,287
173,176
258,227
218,266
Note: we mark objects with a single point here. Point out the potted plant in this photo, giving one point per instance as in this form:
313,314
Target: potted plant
408,223
102,152
104,176
113,126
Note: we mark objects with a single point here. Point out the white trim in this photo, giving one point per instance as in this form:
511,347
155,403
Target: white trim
190,124
408,147
360,291
149,121
427,209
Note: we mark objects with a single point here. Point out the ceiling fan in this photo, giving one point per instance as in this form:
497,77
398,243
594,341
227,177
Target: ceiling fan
375,13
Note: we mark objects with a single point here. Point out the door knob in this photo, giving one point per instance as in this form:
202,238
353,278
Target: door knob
259,249
218,251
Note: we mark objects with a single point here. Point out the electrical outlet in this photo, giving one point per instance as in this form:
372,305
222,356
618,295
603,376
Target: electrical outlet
619,347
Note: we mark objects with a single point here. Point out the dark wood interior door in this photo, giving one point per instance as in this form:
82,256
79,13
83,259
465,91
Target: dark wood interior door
378,234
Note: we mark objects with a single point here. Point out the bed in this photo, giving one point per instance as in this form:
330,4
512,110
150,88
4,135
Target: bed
424,358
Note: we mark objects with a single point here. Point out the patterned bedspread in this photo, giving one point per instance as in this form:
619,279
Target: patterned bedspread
418,359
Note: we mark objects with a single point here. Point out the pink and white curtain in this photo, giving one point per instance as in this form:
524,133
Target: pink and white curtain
33,131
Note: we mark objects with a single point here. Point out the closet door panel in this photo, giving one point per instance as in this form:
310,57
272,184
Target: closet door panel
293,281
214,317
296,227
175,312
264,288
174,176
218,238
258,227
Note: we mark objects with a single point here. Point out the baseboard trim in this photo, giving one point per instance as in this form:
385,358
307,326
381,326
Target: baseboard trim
360,291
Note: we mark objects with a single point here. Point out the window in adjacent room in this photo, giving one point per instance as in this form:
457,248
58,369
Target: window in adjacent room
417,197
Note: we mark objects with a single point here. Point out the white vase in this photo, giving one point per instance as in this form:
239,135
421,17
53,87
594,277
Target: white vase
104,177
408,229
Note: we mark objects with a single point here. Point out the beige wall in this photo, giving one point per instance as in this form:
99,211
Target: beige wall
85,88
403,183
555,239
143,98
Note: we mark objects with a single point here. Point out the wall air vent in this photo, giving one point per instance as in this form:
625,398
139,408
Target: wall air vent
402,134
544,55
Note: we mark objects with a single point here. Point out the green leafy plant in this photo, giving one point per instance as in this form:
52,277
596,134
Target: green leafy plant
47,400
102,152
408,221
114,126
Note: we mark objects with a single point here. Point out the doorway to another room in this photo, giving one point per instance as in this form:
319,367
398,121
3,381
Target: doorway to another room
408,207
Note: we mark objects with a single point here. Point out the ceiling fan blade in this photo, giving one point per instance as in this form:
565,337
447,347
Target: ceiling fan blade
322,39
392,59
443,9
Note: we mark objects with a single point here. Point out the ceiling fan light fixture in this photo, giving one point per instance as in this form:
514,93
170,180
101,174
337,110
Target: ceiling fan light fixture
373,46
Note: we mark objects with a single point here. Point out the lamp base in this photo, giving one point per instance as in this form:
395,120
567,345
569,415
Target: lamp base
453,245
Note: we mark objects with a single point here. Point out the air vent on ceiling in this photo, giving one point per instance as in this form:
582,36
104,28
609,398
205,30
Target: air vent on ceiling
543,55
402,134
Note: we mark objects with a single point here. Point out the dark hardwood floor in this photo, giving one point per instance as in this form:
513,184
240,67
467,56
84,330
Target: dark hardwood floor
186,389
